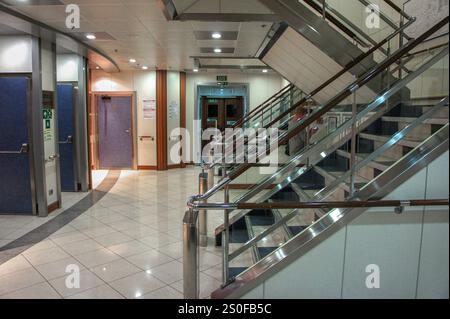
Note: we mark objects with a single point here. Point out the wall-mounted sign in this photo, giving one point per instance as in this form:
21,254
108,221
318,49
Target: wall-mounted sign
222,78
47,115
149,109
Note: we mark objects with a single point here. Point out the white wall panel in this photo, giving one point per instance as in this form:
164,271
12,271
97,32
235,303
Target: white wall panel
15,54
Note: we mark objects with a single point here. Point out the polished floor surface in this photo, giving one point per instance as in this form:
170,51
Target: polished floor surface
128,245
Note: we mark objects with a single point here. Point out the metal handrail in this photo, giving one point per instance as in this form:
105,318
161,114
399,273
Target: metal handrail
324,192
329,105
350,65
324,205
349,90
24,148
379,151
263,105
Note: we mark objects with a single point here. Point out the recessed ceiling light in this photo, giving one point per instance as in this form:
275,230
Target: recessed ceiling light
265,71
195,70
132,60
145,67
216,35
91,36
217,50
97,67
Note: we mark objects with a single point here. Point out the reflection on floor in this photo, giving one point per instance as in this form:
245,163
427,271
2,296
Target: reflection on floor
129,245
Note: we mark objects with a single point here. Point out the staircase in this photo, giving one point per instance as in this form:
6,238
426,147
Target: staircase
367,147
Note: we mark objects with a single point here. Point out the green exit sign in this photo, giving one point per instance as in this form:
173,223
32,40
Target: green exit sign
222,78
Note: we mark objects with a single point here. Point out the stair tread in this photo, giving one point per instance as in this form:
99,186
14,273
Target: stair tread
264,251
295,230
238,235
235,271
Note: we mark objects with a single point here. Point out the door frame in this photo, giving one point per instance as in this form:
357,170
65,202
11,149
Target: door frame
134,155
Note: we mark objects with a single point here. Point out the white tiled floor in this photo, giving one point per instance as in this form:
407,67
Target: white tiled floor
13,226
129,245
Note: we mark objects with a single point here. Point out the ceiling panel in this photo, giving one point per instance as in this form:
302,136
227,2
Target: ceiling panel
138,29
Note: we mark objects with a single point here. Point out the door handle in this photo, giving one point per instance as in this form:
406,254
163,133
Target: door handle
128,131
69,140
23,150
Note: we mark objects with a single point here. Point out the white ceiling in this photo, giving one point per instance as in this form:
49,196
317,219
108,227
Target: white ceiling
141,31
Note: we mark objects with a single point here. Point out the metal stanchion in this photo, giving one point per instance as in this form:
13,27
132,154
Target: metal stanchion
190,256
203,218
226,240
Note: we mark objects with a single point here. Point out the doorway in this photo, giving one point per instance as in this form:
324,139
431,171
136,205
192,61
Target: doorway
115,131
221,113
17,194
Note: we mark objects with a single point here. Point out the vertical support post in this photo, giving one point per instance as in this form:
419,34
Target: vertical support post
203,217
226,239
190,255
353,145
324,9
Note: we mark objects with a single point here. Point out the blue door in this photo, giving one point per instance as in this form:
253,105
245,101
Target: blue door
115,132
16,196
66,136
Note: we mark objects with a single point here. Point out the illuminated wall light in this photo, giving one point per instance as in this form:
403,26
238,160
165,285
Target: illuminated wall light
91,36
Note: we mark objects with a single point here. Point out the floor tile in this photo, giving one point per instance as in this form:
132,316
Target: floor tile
137,285
163,293
88,280
58,268
129,248
19,280
113,239
149,259
97,257
169,273
15,264
45,256
115,270
100,292
39,291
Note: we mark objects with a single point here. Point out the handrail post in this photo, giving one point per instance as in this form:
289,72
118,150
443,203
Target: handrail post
226,239
203,180
190,255
353,145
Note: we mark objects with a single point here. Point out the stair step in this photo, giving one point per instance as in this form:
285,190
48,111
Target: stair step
435,121
261,217
265,251
235,271
239,236
295,230
384,139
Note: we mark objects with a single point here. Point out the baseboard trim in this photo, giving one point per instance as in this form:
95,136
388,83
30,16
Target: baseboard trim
52,207
147,168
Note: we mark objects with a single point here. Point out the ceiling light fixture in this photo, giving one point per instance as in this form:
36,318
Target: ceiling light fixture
132,60
265,71
217,50
216,35
97,67
195,70
91,36
145,67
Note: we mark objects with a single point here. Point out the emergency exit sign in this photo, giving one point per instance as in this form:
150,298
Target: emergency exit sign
222,78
